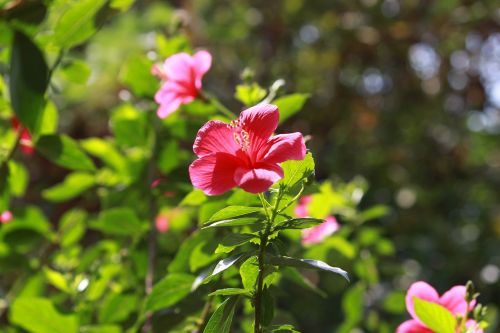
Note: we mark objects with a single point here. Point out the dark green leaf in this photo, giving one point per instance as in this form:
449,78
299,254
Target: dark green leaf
28,81
434,316
298,223
220,321
231,241
38,315
170,290
65,152
212,271
305,263
117,307
233,212
290,105
267,307
352,306
72,186
293,275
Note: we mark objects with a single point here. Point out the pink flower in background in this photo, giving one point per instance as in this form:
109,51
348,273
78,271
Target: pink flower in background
453,300
26,144
181,75
243,153
318,233
162,224
6,217
301,208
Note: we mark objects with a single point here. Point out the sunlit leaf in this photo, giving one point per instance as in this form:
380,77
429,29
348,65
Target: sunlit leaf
434,316
296,171
38,315
73,185
305,263
168,291
221,319
290,105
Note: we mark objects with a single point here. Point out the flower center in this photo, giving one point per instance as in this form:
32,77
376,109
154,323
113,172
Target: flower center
240,136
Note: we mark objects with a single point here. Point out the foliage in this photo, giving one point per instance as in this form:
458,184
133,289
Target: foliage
82,253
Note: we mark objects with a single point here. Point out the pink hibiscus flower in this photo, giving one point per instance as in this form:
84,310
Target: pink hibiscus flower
26,144
243,153
453,300
162,224
181,75
6,217
317,233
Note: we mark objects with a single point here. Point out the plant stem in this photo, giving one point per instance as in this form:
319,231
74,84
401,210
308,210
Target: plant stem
215,102
149,280
260,284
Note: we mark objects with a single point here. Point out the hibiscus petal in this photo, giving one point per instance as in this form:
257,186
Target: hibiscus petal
412,326
179,67
423,291
215,136
260,121
284,147
202,61
258,179
454,300
167,107
214,173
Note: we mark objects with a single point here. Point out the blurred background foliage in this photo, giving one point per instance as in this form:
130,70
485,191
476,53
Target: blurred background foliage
405,93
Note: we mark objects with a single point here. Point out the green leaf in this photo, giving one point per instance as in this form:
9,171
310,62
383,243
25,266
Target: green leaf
136,74
220,321
352,306
122,5
106,152
76,24
232,212
249,94
230,292
77,71
72,227
212,271
120,221
117,307
129,126
284,328
18,178
249,271
435,316
298,223
56,279
65,152
180,263
38,315
73,185
101,329
296,171
267,307
50,119
194,198
235,216
170,290
231,241
373,213
293,275
305,263
290,105
394,302
28,81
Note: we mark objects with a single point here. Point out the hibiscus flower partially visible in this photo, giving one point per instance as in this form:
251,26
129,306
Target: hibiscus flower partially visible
317,233
162,224
243,153
6,217
26,143
181,74
453,300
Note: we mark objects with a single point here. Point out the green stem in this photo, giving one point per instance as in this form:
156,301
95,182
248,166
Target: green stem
215,102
